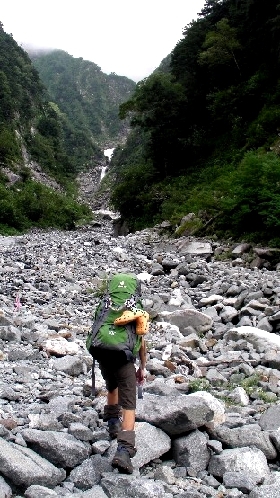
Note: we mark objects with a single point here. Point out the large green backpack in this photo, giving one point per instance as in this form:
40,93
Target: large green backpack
123,293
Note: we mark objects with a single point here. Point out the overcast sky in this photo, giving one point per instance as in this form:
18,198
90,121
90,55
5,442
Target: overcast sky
127,37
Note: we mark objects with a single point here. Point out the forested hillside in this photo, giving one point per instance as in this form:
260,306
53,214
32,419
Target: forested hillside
88,101
49,133
205,133
30,139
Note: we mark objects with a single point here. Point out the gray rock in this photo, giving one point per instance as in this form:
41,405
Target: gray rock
272,359
191,452
5,320
261,339
80,431
264,324
88,474
119,486
57,275
99,447
265,491
241,248
5,489
249,460
191,493
188,318
24,467
194,247
36,491
160,388
239,396
7,392
215,405
59,448
62,404
270,419
240,480
215,446
151,443
215,377
180,414
165,474
228,314
10,333
156,367
44,422
24,353
246,436
94,492
69,364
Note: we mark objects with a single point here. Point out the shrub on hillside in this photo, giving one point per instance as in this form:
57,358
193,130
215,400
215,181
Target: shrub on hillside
253,203
31,204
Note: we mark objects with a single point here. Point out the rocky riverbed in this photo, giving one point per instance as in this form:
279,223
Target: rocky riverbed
209,422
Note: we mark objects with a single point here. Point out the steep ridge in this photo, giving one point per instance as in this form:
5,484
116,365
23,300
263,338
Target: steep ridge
208,423
88,101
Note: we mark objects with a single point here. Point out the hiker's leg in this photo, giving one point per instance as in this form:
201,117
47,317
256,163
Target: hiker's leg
112,411
125,451
126,376
126,381
113,397
128,421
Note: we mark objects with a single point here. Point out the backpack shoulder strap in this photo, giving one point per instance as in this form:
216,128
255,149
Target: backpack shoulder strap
101,314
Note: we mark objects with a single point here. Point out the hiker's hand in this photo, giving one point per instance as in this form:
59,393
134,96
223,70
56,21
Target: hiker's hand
140,375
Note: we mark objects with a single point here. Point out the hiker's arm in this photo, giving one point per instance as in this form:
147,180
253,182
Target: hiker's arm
140,374
143,354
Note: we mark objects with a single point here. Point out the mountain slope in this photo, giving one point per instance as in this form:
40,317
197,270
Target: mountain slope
48,135
211,129
88,100
32,152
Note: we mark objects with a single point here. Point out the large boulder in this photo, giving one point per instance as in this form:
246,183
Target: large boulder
200,322
249,460
176,414
24,467
58,447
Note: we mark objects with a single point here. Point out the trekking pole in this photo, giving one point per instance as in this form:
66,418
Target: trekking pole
93,390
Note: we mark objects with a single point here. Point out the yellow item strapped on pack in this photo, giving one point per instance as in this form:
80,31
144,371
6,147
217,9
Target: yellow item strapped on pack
141,318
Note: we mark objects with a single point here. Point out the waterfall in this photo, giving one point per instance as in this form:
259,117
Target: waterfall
103,172
108,153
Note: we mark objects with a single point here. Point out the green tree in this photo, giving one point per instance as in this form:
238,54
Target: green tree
252,202
154,107
9,146
220,46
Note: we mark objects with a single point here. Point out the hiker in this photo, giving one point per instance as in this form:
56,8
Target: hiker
116,339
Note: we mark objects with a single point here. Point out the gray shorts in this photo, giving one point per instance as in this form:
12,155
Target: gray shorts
122,377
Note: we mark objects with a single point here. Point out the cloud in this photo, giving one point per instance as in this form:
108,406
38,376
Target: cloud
127,37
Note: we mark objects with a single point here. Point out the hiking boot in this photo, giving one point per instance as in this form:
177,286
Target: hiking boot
121,461
114,426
